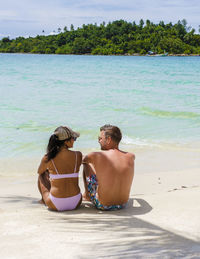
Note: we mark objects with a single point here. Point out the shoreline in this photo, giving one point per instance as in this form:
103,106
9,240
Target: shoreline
149,159
89,54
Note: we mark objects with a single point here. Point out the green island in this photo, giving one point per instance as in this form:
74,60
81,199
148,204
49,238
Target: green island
115,38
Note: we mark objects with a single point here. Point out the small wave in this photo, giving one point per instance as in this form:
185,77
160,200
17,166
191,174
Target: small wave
136,141
29,146
34,126
6,107
120,109
169,114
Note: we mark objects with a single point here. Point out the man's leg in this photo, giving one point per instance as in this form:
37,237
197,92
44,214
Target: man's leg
87,172
92,185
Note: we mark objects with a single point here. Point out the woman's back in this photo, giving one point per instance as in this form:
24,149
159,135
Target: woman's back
61,166
64,173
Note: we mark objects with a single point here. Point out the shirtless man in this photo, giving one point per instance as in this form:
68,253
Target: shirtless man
108,174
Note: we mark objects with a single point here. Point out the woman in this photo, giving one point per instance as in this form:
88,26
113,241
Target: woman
61,166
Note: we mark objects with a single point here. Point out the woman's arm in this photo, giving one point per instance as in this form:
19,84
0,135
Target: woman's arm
43,165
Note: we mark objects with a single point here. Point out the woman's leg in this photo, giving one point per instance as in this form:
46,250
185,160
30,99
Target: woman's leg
79,203
44,180
44,189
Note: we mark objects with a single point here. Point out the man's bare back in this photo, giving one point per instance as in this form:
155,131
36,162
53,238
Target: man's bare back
114,170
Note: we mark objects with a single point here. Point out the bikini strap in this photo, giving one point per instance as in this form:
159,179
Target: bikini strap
75,162
54,166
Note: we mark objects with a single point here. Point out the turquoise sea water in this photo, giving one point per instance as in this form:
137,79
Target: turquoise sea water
154,100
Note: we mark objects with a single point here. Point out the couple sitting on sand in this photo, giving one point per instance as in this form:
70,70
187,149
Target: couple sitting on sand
107,174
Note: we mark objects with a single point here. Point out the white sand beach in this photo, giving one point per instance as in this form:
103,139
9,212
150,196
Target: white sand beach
160,221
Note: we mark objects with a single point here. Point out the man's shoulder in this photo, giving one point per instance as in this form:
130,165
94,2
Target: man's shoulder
90,157
131,155
94,153
128,154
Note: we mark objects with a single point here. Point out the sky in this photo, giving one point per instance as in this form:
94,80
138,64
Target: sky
32,17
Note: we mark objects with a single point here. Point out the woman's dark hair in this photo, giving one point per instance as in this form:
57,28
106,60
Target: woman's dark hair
113,131
54,146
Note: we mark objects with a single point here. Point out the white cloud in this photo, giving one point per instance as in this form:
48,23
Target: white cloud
30,17
52,33
4,35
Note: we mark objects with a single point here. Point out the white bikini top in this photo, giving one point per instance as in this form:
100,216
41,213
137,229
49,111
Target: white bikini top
60,176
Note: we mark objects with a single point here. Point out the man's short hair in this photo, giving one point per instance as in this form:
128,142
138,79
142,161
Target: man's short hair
113,131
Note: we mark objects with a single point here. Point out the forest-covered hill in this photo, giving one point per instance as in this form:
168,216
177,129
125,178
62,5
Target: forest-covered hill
115,38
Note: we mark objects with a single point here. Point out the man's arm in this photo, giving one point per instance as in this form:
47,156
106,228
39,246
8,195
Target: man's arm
87,172
89,158
88,164
132,162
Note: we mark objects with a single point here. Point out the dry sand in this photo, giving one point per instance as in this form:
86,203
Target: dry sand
162,220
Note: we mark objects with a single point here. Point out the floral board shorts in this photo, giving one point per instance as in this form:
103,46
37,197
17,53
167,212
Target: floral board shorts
92,184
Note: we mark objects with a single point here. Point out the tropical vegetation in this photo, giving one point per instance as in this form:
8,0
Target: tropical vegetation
115,38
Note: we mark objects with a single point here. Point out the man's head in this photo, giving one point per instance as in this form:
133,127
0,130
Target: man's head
110,136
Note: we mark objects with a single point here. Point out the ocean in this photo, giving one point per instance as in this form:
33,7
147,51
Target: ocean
155,101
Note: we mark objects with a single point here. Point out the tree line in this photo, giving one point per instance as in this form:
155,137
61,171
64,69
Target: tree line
115,38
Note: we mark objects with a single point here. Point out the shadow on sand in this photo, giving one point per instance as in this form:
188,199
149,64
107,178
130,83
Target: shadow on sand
115,234
88,207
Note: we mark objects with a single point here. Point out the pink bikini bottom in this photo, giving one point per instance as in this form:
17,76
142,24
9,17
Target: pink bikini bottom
69,203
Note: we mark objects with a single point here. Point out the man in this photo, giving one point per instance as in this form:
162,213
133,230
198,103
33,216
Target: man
108,174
